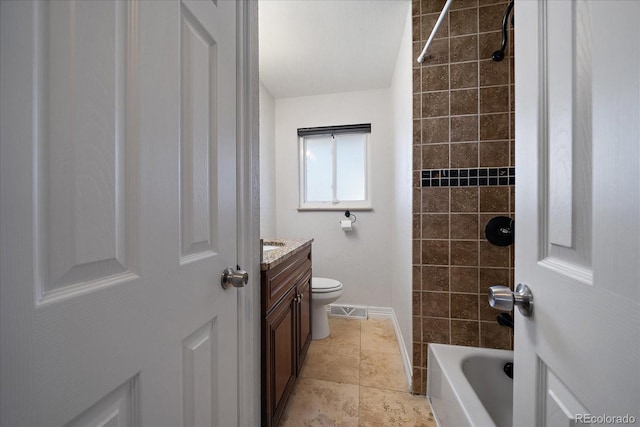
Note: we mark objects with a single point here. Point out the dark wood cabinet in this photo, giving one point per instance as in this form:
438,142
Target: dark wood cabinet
286,330
280,357
304,325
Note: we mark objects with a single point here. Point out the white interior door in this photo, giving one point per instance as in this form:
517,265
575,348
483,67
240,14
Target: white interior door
577,357
118,213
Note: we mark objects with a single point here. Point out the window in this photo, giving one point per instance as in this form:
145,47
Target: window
334,167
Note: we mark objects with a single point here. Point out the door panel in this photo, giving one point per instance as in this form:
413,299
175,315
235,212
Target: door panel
117,148
118,408
85,199
199,376
197,138
577,203
204,145
567,69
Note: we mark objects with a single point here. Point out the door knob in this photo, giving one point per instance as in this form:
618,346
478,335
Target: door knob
235,278
501,298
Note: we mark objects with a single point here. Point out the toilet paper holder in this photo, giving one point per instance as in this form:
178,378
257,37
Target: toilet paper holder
346,225
349,215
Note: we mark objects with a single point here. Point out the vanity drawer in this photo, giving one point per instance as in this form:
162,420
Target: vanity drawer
277,281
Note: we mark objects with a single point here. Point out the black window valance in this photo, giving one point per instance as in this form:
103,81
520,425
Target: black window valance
327,130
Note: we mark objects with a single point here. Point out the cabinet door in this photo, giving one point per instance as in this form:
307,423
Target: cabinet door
304,314
280,353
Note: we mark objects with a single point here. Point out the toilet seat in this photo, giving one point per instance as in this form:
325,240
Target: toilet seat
320,285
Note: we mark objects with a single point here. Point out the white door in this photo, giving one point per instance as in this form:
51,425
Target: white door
118,213
577,358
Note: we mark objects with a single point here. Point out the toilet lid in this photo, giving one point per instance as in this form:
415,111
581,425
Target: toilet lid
322,284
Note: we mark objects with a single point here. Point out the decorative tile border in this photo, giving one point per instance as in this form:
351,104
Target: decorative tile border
470,177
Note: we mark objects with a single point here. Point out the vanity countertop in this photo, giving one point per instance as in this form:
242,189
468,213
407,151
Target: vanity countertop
285,249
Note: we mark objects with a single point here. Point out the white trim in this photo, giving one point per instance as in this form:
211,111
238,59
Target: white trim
381,312
335,206
338,208
406,358
388,313
248,214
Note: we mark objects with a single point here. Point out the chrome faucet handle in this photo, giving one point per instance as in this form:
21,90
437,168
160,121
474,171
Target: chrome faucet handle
501,298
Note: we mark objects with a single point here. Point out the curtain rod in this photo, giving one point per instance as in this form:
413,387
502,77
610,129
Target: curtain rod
445,9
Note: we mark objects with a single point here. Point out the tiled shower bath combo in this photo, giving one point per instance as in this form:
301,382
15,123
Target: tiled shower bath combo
463,175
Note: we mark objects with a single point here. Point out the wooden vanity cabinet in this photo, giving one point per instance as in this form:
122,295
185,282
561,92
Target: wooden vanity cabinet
279,359
286,330
304,325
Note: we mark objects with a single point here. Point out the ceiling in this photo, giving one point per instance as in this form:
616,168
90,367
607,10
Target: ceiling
313,47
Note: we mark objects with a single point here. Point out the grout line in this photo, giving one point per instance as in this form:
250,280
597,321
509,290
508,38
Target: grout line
449,194
479,129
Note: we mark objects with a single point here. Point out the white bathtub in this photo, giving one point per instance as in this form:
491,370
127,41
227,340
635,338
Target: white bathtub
467,386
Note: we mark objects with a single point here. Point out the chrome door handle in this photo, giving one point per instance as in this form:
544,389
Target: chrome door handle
235,278
501,298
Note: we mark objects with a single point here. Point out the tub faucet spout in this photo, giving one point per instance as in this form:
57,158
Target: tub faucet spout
505,319
508,369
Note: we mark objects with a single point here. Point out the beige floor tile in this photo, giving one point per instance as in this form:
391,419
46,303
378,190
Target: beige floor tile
366,350
343,333
382,370
386,408
321,403
332,363
378,335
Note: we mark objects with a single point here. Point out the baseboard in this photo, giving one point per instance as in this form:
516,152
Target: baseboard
406,359
381,312
388,313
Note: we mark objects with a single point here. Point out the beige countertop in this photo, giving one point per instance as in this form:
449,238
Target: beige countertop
286,248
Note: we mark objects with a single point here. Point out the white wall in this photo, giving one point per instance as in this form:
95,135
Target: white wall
360,259
267,164
374,260
401,109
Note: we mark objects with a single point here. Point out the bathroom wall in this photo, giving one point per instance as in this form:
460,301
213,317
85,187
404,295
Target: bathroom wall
400,238
267,163
361,259
463,124
374,260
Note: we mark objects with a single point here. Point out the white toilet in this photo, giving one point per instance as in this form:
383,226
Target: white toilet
324,291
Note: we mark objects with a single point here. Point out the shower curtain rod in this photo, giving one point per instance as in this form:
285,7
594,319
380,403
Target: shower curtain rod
445,9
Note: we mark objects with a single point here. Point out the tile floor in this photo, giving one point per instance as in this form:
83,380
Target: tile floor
355,377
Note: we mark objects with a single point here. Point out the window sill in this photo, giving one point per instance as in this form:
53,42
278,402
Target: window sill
336,208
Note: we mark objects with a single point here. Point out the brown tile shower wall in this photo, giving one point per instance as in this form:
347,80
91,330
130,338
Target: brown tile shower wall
463,120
